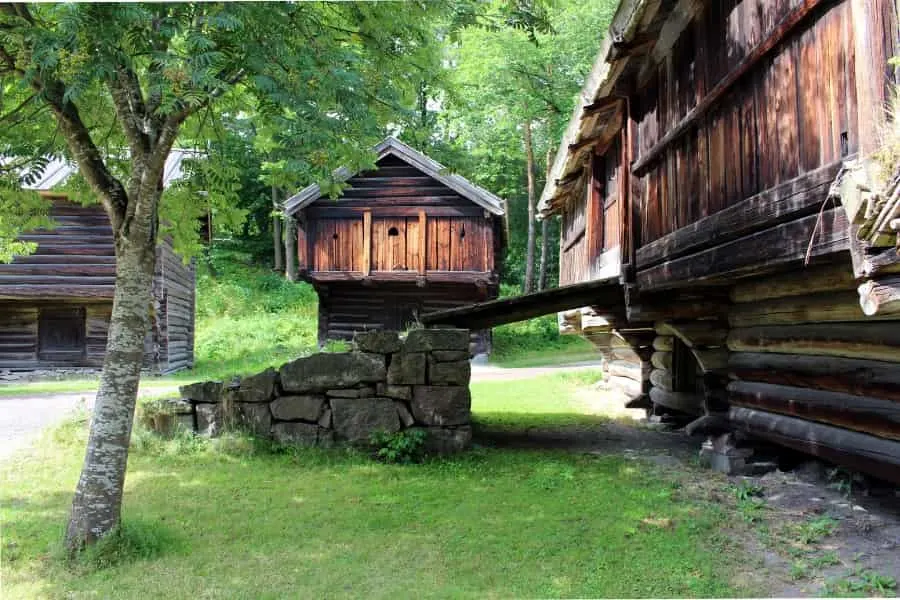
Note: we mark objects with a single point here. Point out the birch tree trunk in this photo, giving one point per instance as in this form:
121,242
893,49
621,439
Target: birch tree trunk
545,233
290,248
98,497
529,252
277,234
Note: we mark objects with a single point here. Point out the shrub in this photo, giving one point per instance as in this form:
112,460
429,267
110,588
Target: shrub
403,447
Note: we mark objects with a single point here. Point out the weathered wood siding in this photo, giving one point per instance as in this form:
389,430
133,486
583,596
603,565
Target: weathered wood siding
72,271
395,219
345,308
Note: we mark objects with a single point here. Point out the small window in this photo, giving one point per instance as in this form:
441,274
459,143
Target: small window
392,232
61,333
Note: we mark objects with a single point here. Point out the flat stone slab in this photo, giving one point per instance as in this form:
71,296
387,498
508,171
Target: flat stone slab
426,340
255,417
294,408
356,419
449,373
327,371
203,391
259,387
407,369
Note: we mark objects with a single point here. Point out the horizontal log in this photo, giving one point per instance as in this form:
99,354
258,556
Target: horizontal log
86,259
55,280
695,334
46,292
667,311
662,360
107,270
757,253
467,277
873,341
858,451
662,379
880,297
685,402
884,262
785,202
798,282
664,343
356,212
711,360
875,378
712,424
824,307
874,416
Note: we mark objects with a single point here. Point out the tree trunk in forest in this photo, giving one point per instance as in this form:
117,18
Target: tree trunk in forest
545,232
528,285
290,248
545,247
98,498
277,234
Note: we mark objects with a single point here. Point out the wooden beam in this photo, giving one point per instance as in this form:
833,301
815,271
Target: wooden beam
825,307
750,60
801,195
880,297
859,451
423,241
811,280
756,253
875,378
606,293
302,246
348,212
685,402
599,105
367,243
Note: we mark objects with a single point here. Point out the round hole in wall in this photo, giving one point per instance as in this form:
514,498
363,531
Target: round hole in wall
462,233
393,232
334,236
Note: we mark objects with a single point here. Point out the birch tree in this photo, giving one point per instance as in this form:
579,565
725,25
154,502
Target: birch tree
114,88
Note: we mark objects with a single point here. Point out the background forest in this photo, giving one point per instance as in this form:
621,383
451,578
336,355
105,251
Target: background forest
490,103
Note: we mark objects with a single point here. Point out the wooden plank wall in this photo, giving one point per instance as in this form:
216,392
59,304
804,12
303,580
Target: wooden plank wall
178,320
458,235
791,114
347,308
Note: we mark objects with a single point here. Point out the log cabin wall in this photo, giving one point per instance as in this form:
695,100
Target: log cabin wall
401,240
55,304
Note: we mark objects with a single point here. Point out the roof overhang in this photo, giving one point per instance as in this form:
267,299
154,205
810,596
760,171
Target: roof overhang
599,112
393,146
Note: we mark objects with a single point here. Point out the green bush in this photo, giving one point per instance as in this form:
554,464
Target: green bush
402,447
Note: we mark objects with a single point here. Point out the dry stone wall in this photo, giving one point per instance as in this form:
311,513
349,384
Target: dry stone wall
387,383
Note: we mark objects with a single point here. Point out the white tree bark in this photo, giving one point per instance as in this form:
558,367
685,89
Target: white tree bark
529,252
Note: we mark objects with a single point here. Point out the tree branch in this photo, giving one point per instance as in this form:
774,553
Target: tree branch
129,104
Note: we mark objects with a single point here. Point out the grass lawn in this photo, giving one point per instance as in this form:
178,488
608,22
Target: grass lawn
228,519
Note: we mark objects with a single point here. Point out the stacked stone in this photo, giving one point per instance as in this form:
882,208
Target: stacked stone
386,384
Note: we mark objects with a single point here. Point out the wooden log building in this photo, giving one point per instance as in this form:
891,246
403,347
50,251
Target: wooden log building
403,239
55,304
715,187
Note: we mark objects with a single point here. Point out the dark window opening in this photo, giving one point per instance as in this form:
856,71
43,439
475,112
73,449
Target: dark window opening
392,232
462,233
845,144
684,368
61,333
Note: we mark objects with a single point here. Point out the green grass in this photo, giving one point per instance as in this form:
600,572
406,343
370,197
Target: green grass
231,519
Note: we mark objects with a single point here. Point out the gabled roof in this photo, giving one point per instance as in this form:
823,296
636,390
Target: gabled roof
414,158
58,170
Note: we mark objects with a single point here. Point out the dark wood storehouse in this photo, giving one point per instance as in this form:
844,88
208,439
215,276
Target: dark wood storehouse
403,239
56,303
718,168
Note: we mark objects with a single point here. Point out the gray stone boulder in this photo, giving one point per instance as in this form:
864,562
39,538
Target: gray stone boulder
426,340
259,387
209,392
379,342
326,371
298,434
449,373
407,369
213,419
255,418
406,417
325,420
297,408
397,392
354,420
441,405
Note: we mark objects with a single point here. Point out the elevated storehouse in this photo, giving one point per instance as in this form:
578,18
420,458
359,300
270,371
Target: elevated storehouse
720,168
403,239
56,303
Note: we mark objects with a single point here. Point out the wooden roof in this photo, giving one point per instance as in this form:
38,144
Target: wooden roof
414,158
58,170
